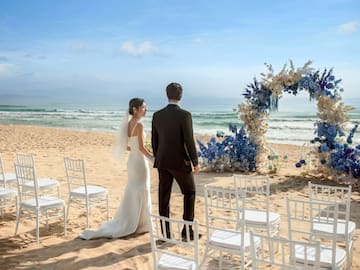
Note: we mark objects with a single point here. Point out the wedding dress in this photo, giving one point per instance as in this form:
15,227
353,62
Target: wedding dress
132,214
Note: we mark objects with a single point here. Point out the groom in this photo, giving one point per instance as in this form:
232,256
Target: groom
174,150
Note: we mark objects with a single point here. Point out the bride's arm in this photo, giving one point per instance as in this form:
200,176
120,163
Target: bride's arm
142,148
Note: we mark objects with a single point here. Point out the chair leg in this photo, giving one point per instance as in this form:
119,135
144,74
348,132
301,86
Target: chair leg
17,206
205,257
349,254
37,227
47,220
87,215
68,208
107,206
221,260
242,259
65,221
17,220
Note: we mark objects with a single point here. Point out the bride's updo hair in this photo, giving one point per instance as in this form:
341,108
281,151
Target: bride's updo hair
135,102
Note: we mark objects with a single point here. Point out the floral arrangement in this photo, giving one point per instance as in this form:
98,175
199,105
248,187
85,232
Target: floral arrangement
334,156
232,153
286,80
247,147
340,159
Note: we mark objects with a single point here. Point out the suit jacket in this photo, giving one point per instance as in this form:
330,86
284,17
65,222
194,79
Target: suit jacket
172,139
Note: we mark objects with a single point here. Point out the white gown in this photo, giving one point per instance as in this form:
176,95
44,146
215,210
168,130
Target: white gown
132,214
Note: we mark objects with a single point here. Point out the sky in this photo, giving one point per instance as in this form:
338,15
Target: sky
109,49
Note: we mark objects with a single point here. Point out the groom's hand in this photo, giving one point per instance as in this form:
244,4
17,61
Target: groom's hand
197,169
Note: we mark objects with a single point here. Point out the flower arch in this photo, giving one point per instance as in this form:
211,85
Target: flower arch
248,145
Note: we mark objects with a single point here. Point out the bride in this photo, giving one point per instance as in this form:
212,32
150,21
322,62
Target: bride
131,216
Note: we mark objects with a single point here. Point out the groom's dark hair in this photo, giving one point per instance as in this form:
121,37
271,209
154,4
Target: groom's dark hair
174,91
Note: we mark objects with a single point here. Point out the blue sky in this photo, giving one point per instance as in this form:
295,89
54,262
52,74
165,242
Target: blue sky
214,48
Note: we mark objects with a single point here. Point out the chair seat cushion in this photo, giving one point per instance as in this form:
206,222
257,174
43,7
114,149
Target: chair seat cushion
328,228
231,240
92,191
258,217
42,183
325,255
7,193
9,177
171,262
44,203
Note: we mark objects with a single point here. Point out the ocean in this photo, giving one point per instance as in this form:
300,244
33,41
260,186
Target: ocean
293,123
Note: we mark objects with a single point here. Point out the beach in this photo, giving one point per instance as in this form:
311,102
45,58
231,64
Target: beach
56,251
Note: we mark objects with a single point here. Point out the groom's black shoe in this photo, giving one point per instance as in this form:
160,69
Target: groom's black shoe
191,235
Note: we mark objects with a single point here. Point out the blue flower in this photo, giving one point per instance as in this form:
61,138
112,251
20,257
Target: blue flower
332,130
306,82
351,134
324,148
231,149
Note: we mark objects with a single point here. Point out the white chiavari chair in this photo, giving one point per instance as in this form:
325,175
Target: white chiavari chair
345,227
303,216
225,235
32,204
257,213
80,192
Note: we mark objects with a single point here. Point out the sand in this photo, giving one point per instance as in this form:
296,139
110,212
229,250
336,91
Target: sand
56,251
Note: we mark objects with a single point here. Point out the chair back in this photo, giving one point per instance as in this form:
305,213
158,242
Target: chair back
25,159
281,253
252,184
25,175
222,209
75,173
257,189
303,213
340,195
225,225
165,254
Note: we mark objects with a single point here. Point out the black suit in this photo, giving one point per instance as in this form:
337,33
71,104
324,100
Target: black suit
174,150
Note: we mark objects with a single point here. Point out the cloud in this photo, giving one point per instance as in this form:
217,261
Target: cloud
28,74
198,41
78,46
34,57
3,59
144,48
348,28
5,69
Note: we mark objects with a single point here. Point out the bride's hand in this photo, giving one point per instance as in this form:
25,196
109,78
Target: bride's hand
152,159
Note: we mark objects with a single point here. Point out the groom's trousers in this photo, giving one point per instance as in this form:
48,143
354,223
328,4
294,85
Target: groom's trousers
186,183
